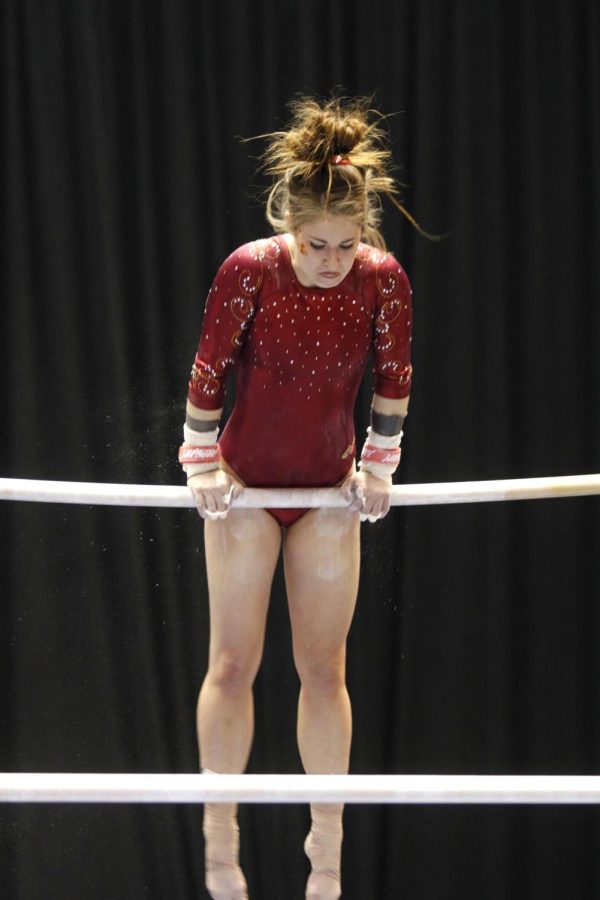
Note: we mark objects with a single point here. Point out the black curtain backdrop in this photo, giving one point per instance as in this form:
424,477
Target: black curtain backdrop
475,647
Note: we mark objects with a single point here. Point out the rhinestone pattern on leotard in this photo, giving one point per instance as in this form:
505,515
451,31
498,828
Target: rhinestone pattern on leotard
299,355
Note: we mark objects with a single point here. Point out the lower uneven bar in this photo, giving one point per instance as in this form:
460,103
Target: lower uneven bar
48,787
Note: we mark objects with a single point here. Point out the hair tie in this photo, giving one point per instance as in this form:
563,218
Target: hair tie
339,160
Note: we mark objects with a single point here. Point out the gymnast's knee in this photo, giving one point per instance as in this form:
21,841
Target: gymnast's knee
325,676
232,672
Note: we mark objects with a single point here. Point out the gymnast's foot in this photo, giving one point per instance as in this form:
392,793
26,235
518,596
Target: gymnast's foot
323,846
224,878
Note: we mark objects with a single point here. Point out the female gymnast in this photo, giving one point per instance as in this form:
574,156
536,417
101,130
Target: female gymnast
296,315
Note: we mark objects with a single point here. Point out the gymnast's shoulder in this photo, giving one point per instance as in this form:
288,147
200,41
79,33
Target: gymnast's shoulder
254,264
381,269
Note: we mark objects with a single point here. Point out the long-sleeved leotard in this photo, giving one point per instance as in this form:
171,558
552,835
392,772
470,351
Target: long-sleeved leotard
299,354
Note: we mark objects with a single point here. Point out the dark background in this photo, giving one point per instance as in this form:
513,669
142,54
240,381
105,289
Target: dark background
476,643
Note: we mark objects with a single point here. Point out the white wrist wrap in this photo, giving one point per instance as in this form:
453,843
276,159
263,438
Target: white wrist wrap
199,439
386,442
374,458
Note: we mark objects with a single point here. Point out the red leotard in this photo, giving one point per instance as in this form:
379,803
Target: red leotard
299,355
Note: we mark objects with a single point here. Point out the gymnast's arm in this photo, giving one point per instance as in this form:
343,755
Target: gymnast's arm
393,413
367,492
213,490
229,310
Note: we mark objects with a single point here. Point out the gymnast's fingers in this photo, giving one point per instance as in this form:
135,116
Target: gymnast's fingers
348,487
200,503
236,490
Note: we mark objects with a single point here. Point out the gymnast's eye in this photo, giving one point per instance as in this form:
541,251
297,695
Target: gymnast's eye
347,245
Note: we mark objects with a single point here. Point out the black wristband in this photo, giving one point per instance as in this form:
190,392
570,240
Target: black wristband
200,425
386,425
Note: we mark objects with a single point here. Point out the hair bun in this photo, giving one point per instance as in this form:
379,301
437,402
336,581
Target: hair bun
348,135
308,180
321,133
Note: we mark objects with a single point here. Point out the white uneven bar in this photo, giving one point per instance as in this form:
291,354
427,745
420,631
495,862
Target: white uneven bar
50,787
157,495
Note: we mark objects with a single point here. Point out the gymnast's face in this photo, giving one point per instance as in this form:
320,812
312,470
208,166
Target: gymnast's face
323,250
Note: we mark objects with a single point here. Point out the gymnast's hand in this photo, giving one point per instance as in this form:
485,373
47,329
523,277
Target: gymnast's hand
213,492
367,494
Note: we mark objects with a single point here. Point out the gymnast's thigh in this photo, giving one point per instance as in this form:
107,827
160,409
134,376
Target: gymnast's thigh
321,563
241,554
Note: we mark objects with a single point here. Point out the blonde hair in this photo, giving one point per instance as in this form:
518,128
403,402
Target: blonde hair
332,160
